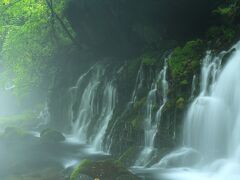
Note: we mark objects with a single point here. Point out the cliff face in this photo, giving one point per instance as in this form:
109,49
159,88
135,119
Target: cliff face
151,52
124,28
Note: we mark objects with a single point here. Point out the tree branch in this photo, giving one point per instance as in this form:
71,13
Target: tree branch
54,14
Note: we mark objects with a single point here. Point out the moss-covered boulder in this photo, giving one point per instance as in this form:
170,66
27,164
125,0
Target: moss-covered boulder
106,170
51,135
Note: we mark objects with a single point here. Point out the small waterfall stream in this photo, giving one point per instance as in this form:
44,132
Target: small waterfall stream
212,124
93,100
152,119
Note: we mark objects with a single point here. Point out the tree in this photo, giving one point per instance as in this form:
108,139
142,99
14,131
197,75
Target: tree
31,32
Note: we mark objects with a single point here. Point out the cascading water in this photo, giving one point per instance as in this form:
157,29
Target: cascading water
108,103
212,123
138,85
95,98
44,116
193,87
151,119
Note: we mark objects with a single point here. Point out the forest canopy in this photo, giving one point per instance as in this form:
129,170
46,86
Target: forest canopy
31,31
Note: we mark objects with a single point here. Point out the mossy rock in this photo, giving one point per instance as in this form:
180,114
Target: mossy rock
180,103
50,135
106,170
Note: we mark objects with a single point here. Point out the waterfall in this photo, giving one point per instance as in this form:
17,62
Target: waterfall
138,84
212,124
193,87
44,116
92,103
152,119
108,105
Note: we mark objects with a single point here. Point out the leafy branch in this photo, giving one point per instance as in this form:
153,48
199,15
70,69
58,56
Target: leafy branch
54,14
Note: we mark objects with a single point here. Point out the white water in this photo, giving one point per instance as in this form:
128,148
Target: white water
193,87
96,98
138,84
212,125
44,116
108,105
151,119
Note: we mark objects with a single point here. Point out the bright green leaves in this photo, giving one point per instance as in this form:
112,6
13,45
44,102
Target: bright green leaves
185,58
29,37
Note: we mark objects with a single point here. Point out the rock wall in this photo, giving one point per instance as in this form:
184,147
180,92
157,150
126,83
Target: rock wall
135,37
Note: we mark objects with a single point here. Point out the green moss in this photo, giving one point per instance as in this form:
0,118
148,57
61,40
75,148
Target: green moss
228,12
149,61
184,83
224,11
79,168
180,103
183,57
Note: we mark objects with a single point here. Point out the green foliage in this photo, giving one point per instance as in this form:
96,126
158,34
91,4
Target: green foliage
185,58
223,33
29,37
148,60
224,11
151,58
228,11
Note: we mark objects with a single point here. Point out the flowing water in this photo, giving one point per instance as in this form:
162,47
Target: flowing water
211,139
152,119
212,125
94,105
